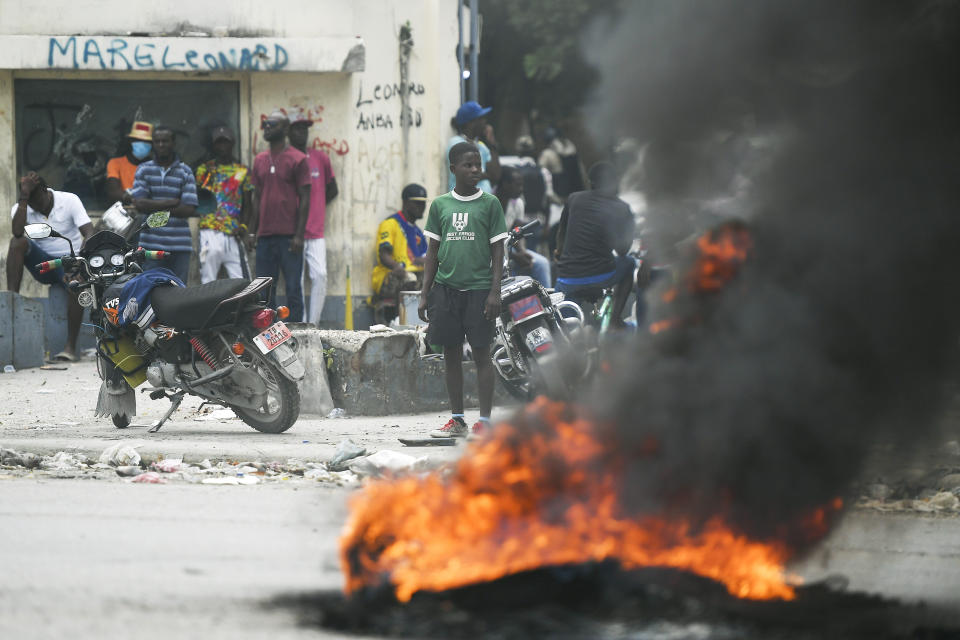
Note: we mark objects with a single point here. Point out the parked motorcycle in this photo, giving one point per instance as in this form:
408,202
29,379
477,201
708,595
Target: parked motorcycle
217,341
533,323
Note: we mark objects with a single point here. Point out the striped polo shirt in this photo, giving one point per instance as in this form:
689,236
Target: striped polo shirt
155,182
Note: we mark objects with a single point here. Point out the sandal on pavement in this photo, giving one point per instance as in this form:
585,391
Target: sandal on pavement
64,356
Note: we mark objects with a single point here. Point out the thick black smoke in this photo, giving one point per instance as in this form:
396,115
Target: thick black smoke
834,129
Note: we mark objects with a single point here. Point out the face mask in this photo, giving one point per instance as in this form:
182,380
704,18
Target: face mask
140,149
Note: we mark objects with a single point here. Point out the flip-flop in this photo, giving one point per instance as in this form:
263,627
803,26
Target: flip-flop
63,356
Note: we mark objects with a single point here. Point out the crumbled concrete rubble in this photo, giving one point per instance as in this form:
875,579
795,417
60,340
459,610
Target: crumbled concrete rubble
117,463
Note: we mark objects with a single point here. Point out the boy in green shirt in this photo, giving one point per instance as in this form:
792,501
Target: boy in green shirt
461,283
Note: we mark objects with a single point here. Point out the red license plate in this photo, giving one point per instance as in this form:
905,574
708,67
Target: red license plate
525,308
272,338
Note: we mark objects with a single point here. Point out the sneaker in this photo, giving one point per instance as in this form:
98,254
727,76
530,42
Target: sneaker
455,428
479,430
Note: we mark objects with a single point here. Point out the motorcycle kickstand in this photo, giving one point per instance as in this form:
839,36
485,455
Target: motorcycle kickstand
175,401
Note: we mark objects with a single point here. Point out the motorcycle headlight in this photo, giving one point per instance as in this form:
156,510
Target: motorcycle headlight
96,261
116,259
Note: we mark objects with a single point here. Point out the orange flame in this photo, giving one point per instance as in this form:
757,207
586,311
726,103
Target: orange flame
546,497
720,254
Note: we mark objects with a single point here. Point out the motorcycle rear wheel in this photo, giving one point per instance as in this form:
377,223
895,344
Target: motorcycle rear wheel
283,404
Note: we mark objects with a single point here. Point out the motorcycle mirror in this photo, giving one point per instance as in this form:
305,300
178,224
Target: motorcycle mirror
158,219
39,231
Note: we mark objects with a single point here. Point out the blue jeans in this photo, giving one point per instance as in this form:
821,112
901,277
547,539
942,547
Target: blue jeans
539,270
177,261
36,255
273,258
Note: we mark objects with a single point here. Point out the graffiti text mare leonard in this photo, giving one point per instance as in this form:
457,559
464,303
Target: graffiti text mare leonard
126,54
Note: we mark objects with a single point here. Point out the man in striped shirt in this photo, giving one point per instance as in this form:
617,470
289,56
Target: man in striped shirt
166,184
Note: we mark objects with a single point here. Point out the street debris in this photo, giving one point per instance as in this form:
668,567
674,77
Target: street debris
346,451
9,369
123,463
218,414
168,465
149,477
231,480
120,454
950,482
384,461
9,457
63,461
337,413
128,471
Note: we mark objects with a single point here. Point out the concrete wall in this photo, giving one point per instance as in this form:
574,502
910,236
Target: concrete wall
358,114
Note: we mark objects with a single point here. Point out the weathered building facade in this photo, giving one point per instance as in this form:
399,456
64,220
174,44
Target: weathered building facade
379,77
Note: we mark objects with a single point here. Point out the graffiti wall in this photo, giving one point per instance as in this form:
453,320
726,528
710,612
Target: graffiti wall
67,130
383,122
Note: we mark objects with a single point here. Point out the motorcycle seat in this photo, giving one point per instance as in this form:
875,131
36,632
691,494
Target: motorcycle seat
191,307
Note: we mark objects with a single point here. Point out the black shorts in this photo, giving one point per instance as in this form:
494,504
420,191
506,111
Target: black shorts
454,314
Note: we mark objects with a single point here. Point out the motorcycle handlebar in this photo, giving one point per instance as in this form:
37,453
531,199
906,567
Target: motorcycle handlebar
521,232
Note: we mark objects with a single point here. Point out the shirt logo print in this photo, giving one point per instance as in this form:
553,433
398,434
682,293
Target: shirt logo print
460,220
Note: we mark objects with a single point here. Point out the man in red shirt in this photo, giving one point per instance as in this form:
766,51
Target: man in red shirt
323,189
281,203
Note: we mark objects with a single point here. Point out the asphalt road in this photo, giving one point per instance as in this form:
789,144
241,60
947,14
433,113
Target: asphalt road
83,558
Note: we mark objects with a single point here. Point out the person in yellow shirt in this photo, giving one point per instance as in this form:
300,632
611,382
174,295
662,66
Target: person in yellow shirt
401,248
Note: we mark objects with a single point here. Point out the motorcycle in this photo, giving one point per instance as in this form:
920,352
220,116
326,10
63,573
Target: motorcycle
217,341
533,323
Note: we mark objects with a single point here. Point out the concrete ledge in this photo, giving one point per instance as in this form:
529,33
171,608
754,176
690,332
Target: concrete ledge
21,331
315,389
382,373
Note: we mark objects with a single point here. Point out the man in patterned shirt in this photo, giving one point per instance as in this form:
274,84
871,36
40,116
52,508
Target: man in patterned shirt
223,231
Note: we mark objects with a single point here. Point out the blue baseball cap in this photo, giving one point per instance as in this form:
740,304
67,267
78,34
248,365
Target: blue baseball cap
470,111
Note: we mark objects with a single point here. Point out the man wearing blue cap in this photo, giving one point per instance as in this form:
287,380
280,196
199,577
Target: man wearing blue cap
471,125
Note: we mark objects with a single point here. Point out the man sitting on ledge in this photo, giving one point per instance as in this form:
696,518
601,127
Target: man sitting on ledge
65,214
401,248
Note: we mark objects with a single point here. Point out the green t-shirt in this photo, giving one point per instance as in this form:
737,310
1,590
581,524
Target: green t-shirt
465,227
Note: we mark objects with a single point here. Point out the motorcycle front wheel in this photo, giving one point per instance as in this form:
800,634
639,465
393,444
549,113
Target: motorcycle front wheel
282,407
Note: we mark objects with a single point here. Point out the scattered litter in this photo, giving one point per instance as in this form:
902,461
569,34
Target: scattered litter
48,391
205,464
128,471
63,461
944,501
346,450
246,469
150,477
337,413
428,442
382,462
380,328
68,424
295,464
319,474
9,369
43,367
232,480
219,414
168,465
119,455
304,442
345,478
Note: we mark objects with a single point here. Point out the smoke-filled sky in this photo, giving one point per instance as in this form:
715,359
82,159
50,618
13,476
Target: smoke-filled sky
834,128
